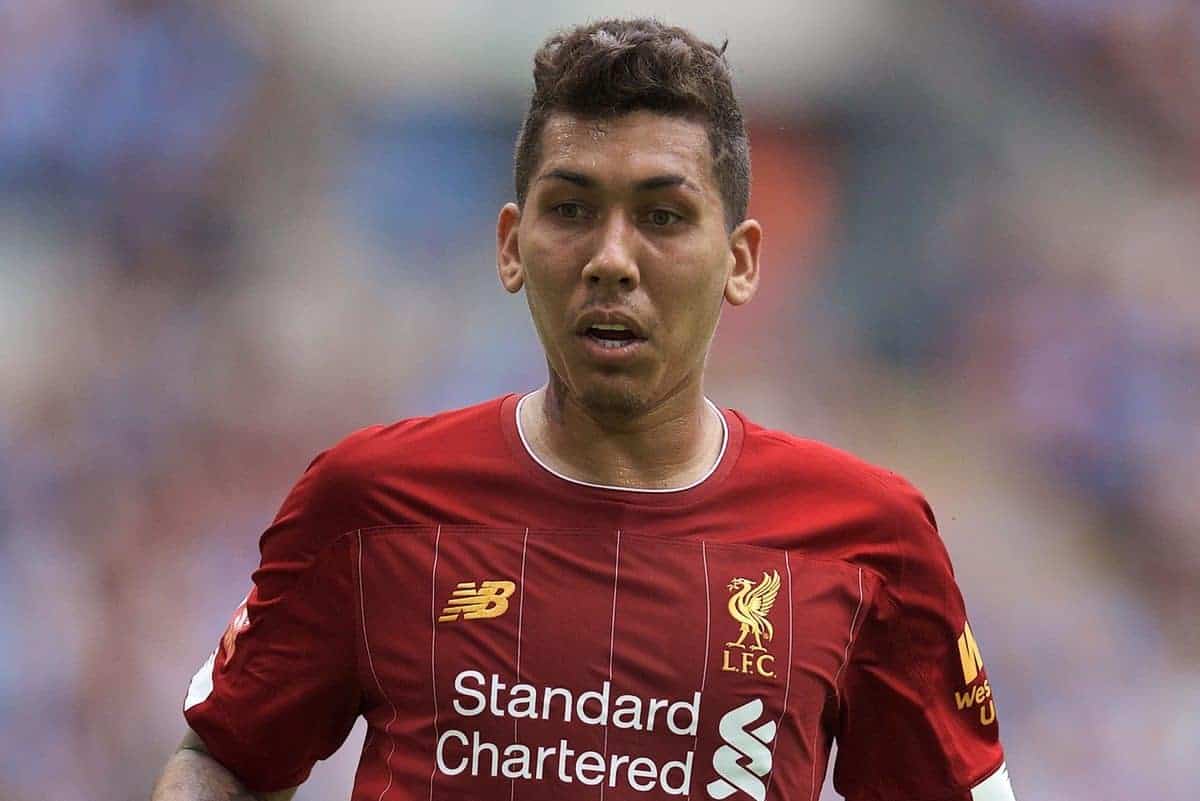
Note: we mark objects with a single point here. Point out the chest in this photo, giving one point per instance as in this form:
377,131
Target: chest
556,664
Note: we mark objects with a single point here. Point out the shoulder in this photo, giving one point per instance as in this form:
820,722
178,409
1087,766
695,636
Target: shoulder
363,480
446,435
829,477
858,511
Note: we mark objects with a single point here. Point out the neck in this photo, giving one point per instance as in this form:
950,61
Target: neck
673,445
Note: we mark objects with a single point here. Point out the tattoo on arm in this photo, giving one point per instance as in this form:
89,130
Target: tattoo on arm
192,774
196,776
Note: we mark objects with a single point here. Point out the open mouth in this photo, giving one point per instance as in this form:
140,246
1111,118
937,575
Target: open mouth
611,336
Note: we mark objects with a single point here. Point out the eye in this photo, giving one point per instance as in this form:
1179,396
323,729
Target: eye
661,218
570,210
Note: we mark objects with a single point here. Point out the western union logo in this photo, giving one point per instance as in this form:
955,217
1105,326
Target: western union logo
489,599
980,695
968,652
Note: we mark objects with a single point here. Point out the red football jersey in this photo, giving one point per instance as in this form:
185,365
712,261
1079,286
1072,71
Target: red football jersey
509,633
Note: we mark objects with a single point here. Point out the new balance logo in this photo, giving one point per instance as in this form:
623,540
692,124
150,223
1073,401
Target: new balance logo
489,599
745,758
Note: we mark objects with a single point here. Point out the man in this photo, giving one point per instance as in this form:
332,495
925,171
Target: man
608,587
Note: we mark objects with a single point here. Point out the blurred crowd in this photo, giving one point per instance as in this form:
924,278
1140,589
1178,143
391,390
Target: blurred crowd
1119,299
218,258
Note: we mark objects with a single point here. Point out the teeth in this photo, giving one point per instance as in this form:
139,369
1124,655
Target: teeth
613,327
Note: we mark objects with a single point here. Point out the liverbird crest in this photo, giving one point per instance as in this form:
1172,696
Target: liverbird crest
750,604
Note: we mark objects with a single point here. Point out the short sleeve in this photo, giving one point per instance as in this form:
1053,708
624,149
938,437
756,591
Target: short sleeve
917,720
281,692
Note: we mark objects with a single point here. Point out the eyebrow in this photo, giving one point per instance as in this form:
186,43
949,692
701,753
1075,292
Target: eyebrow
665,181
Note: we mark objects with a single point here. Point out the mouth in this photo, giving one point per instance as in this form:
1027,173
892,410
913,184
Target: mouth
611,343
611,336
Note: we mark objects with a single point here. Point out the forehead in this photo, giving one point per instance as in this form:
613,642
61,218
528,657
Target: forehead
628,147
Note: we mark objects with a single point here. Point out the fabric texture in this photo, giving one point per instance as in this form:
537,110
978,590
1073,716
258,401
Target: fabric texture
508,633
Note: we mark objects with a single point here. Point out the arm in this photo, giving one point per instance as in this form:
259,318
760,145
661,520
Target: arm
192,774
916,714
281,690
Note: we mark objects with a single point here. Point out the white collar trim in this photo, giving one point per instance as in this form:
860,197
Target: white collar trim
720,457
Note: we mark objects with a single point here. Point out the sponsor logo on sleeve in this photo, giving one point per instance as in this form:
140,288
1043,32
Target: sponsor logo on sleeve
749,606
977,693
471,602
745,758
237,624
201,685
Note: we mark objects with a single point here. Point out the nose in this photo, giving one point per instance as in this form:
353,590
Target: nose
613,265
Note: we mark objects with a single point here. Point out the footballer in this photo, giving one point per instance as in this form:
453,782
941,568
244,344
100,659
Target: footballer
609,587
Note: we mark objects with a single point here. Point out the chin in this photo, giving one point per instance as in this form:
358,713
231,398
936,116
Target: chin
612,400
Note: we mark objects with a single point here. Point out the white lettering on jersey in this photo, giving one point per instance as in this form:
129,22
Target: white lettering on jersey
742,744
470,753
477,694
996,787
463,689
460,753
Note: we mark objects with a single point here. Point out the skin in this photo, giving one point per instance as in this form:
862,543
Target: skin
624,214
191,774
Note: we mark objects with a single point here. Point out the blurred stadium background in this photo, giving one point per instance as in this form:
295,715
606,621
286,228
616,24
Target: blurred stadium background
231,232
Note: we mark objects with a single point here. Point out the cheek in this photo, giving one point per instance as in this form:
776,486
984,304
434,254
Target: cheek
696,301
549,264
539,275
540,309
547,294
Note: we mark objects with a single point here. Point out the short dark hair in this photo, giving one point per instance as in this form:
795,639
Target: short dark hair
614,66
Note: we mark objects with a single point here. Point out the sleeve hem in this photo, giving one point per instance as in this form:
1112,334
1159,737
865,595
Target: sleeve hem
255,782
230,747
962,793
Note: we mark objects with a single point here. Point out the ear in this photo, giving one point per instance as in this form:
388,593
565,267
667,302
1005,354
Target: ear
745,245
508,248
